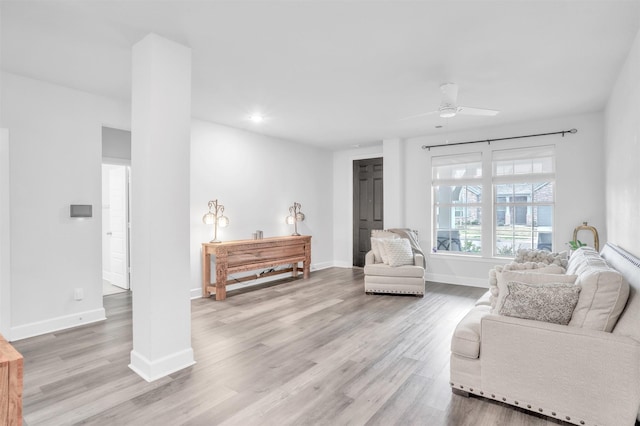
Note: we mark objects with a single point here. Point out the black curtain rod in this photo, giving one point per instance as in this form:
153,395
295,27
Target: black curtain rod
562,132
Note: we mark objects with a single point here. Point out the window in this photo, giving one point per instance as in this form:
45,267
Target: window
523,188
457,198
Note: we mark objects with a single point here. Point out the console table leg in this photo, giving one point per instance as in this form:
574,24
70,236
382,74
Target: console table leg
221,292
206,272
221,275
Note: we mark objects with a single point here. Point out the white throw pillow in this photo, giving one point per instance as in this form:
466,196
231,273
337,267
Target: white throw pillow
398,251
527,278
375,248
379,252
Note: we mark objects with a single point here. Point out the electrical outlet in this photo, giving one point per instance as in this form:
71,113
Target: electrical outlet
78,294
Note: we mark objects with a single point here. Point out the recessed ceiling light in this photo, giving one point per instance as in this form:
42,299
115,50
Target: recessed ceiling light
256,118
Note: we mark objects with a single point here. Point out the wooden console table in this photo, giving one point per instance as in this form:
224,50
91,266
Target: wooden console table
11,376
247,255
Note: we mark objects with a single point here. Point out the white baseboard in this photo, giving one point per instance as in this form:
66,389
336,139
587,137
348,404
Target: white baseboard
56,324
154,370
321,265
450,279
339,264
196,293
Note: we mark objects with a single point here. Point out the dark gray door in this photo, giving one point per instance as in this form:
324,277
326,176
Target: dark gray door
368,205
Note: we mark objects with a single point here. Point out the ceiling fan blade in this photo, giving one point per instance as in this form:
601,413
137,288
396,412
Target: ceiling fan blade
477,111
418,115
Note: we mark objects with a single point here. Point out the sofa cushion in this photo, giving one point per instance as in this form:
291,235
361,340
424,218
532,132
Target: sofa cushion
399,251
602,299
528,278
583,259
380,269
466,337
548,302
485,299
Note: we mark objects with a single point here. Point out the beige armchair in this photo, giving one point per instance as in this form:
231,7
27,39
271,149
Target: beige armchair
407,278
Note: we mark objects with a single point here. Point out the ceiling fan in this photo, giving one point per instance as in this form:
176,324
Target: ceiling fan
449,105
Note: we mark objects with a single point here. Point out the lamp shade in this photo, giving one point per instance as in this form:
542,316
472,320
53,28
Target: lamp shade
300,217
223,221
290,220
209,218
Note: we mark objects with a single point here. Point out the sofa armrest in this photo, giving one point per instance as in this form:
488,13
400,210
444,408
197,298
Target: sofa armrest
368,258
418,259
584,374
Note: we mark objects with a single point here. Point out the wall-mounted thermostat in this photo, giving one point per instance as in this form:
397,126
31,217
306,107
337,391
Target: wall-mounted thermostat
81,210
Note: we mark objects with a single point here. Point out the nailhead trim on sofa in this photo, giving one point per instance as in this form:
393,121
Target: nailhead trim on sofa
519,404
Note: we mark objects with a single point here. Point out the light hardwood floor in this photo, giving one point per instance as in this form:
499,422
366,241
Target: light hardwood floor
302,352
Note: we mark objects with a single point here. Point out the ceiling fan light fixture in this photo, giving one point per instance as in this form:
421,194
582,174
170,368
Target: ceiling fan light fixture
447,111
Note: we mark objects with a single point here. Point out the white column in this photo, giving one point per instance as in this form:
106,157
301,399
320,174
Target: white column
393,154
5,246
161,124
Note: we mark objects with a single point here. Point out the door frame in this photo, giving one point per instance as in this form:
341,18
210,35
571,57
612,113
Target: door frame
127,164
352,159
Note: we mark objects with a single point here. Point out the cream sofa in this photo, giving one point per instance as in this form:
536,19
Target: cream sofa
569,372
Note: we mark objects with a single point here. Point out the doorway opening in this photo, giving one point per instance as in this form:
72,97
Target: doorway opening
368,205
115,228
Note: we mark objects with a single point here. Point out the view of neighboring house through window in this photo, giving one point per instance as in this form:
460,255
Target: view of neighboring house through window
457,196
522,201
523,187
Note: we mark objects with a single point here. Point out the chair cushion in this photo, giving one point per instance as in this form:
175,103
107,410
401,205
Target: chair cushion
466,337
380,269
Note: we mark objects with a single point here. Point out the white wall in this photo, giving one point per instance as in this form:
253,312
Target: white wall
343,200
622,153
55,161
579,191
257,178
116,145
393,182
5,239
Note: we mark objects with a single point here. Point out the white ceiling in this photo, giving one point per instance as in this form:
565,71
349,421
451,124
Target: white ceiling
337,74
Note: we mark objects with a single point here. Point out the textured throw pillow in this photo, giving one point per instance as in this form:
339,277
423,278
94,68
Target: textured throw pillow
549,302
398,251
495,275
527,278
532,255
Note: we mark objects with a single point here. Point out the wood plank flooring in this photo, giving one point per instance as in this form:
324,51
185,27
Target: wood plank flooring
302,352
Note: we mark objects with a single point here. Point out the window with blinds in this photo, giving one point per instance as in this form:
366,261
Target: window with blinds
523,199
457,197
